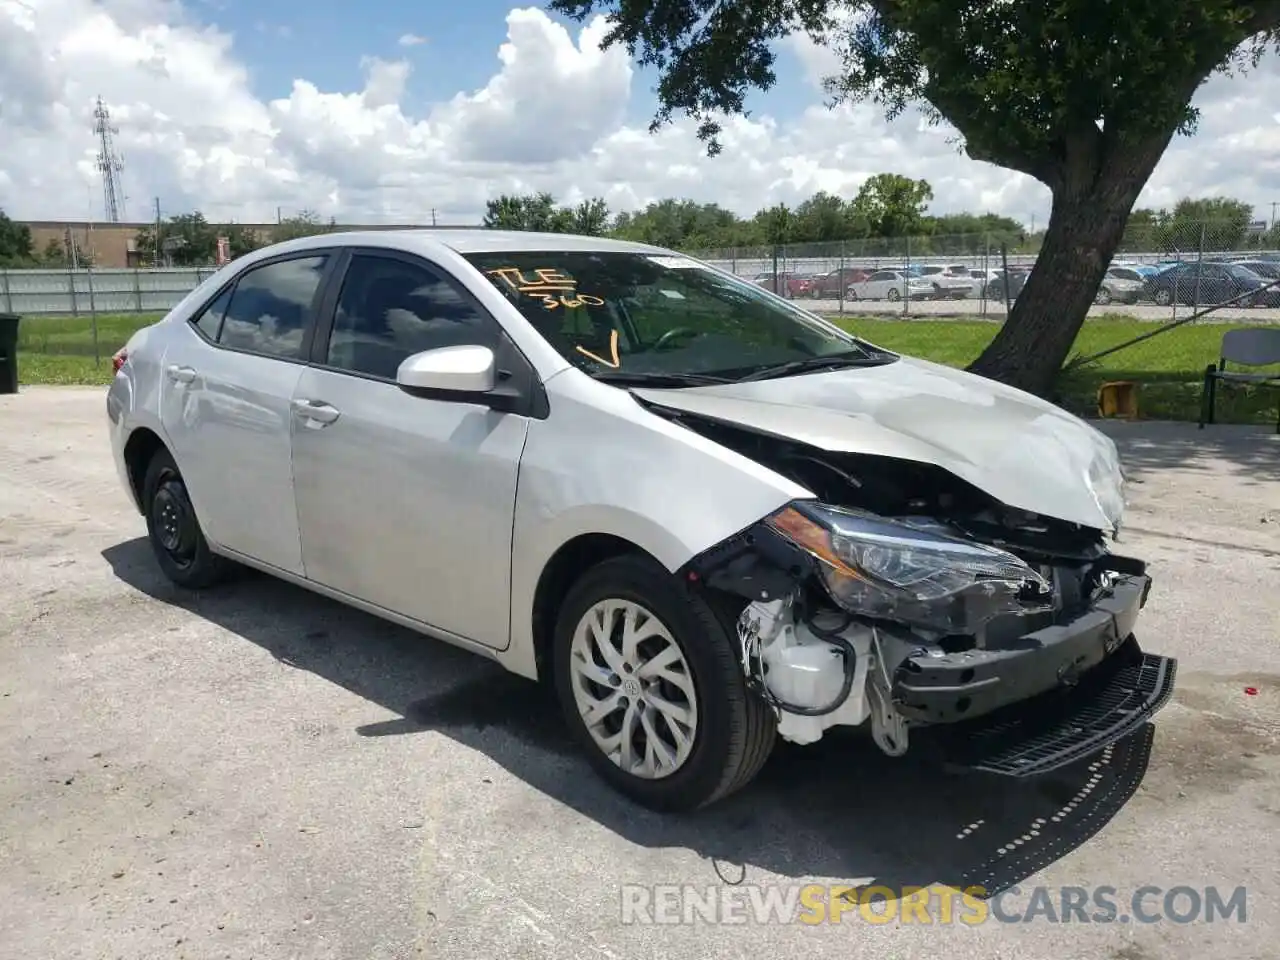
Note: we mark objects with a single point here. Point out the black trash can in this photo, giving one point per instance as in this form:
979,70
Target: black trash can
9,352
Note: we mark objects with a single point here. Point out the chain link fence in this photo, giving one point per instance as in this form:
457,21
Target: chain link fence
1162,270
1159,271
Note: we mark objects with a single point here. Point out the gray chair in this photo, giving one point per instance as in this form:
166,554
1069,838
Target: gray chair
1251,347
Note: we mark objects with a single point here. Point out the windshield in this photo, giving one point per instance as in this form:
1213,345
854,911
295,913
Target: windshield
639,313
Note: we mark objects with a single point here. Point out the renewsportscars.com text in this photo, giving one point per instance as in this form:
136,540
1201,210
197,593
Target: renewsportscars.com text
674,904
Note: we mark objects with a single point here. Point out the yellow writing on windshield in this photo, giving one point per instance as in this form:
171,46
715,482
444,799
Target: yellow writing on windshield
547,284
575,301
616,362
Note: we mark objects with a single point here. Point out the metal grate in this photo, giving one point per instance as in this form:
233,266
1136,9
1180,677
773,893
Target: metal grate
1043,736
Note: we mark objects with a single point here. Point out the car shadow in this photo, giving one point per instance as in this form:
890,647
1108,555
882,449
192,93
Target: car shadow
838,809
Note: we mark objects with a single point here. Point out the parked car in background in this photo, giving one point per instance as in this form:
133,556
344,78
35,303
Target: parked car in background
980,278
705,524
1014,282
832,285
891,285
1131,270
789,285
1131,273
1268,270
1208,284
1118,288
949,283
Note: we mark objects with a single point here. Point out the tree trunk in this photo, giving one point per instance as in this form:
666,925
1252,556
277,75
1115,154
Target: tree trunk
1085,228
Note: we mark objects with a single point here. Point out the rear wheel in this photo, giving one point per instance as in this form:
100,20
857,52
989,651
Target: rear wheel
651,688
1163,297
893,294
1103,296
174,530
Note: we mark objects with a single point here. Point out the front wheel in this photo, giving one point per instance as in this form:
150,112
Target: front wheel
650,685
1103,296
174,529
893,294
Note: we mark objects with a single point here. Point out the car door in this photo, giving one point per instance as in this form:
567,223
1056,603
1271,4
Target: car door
225,405
406,502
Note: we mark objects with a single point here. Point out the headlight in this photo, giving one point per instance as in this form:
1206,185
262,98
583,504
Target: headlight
895,571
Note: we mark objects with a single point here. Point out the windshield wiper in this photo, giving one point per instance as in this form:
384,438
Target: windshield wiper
808,364
656,378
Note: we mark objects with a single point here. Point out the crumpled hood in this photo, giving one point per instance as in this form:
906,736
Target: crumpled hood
1024,451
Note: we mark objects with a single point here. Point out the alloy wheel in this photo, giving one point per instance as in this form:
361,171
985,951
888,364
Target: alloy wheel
633,689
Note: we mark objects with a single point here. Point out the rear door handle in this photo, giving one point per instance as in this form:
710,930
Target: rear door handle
317,413
180,374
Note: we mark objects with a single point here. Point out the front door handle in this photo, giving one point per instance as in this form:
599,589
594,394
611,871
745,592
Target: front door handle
315,412
180,374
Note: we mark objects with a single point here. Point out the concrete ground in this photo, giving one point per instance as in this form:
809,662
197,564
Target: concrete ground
257,772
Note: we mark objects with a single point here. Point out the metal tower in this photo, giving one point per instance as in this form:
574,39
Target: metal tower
108,163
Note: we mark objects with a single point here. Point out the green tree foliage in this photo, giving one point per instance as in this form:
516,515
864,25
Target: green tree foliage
15,243
875,222
539,212
189,240
1083,95
1209,225
893,205
305,224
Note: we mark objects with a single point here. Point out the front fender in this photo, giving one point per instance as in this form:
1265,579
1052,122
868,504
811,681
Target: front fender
603,464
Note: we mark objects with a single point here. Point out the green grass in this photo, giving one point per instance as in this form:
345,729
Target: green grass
1169,368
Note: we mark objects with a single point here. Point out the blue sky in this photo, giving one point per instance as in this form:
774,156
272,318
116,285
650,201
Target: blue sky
323,41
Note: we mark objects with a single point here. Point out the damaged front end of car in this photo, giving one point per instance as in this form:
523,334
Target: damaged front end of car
906,599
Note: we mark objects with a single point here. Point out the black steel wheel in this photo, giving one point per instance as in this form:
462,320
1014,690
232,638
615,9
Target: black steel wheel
174,529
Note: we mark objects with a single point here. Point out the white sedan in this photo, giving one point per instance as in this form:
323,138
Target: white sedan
707,516
891,285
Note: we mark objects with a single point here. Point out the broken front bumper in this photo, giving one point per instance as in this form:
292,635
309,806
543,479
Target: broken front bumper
932,687
1056,696
1062,727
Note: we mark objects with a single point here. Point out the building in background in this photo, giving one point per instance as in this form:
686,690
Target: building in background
116,244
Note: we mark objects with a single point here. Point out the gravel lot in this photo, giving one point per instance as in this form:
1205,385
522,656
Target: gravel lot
256,772
941,309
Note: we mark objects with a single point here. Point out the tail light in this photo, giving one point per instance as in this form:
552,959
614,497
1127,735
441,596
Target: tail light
118,358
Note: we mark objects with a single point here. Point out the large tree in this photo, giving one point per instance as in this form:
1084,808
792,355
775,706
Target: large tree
1082,95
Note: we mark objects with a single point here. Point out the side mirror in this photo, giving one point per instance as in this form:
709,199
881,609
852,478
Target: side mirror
470,369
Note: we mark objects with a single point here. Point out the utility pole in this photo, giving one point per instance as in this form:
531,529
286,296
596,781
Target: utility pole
433,216
156,252
1274,204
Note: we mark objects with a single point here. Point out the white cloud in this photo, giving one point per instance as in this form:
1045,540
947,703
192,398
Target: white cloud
552,117
411,40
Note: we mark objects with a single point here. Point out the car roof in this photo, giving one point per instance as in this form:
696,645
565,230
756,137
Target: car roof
462,241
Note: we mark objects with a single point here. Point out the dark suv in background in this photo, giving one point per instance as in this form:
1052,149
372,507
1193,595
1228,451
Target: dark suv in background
1207,284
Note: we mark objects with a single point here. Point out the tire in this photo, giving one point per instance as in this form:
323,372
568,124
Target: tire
851,294
174,529
893,294
733,730
1163,297
1103,296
